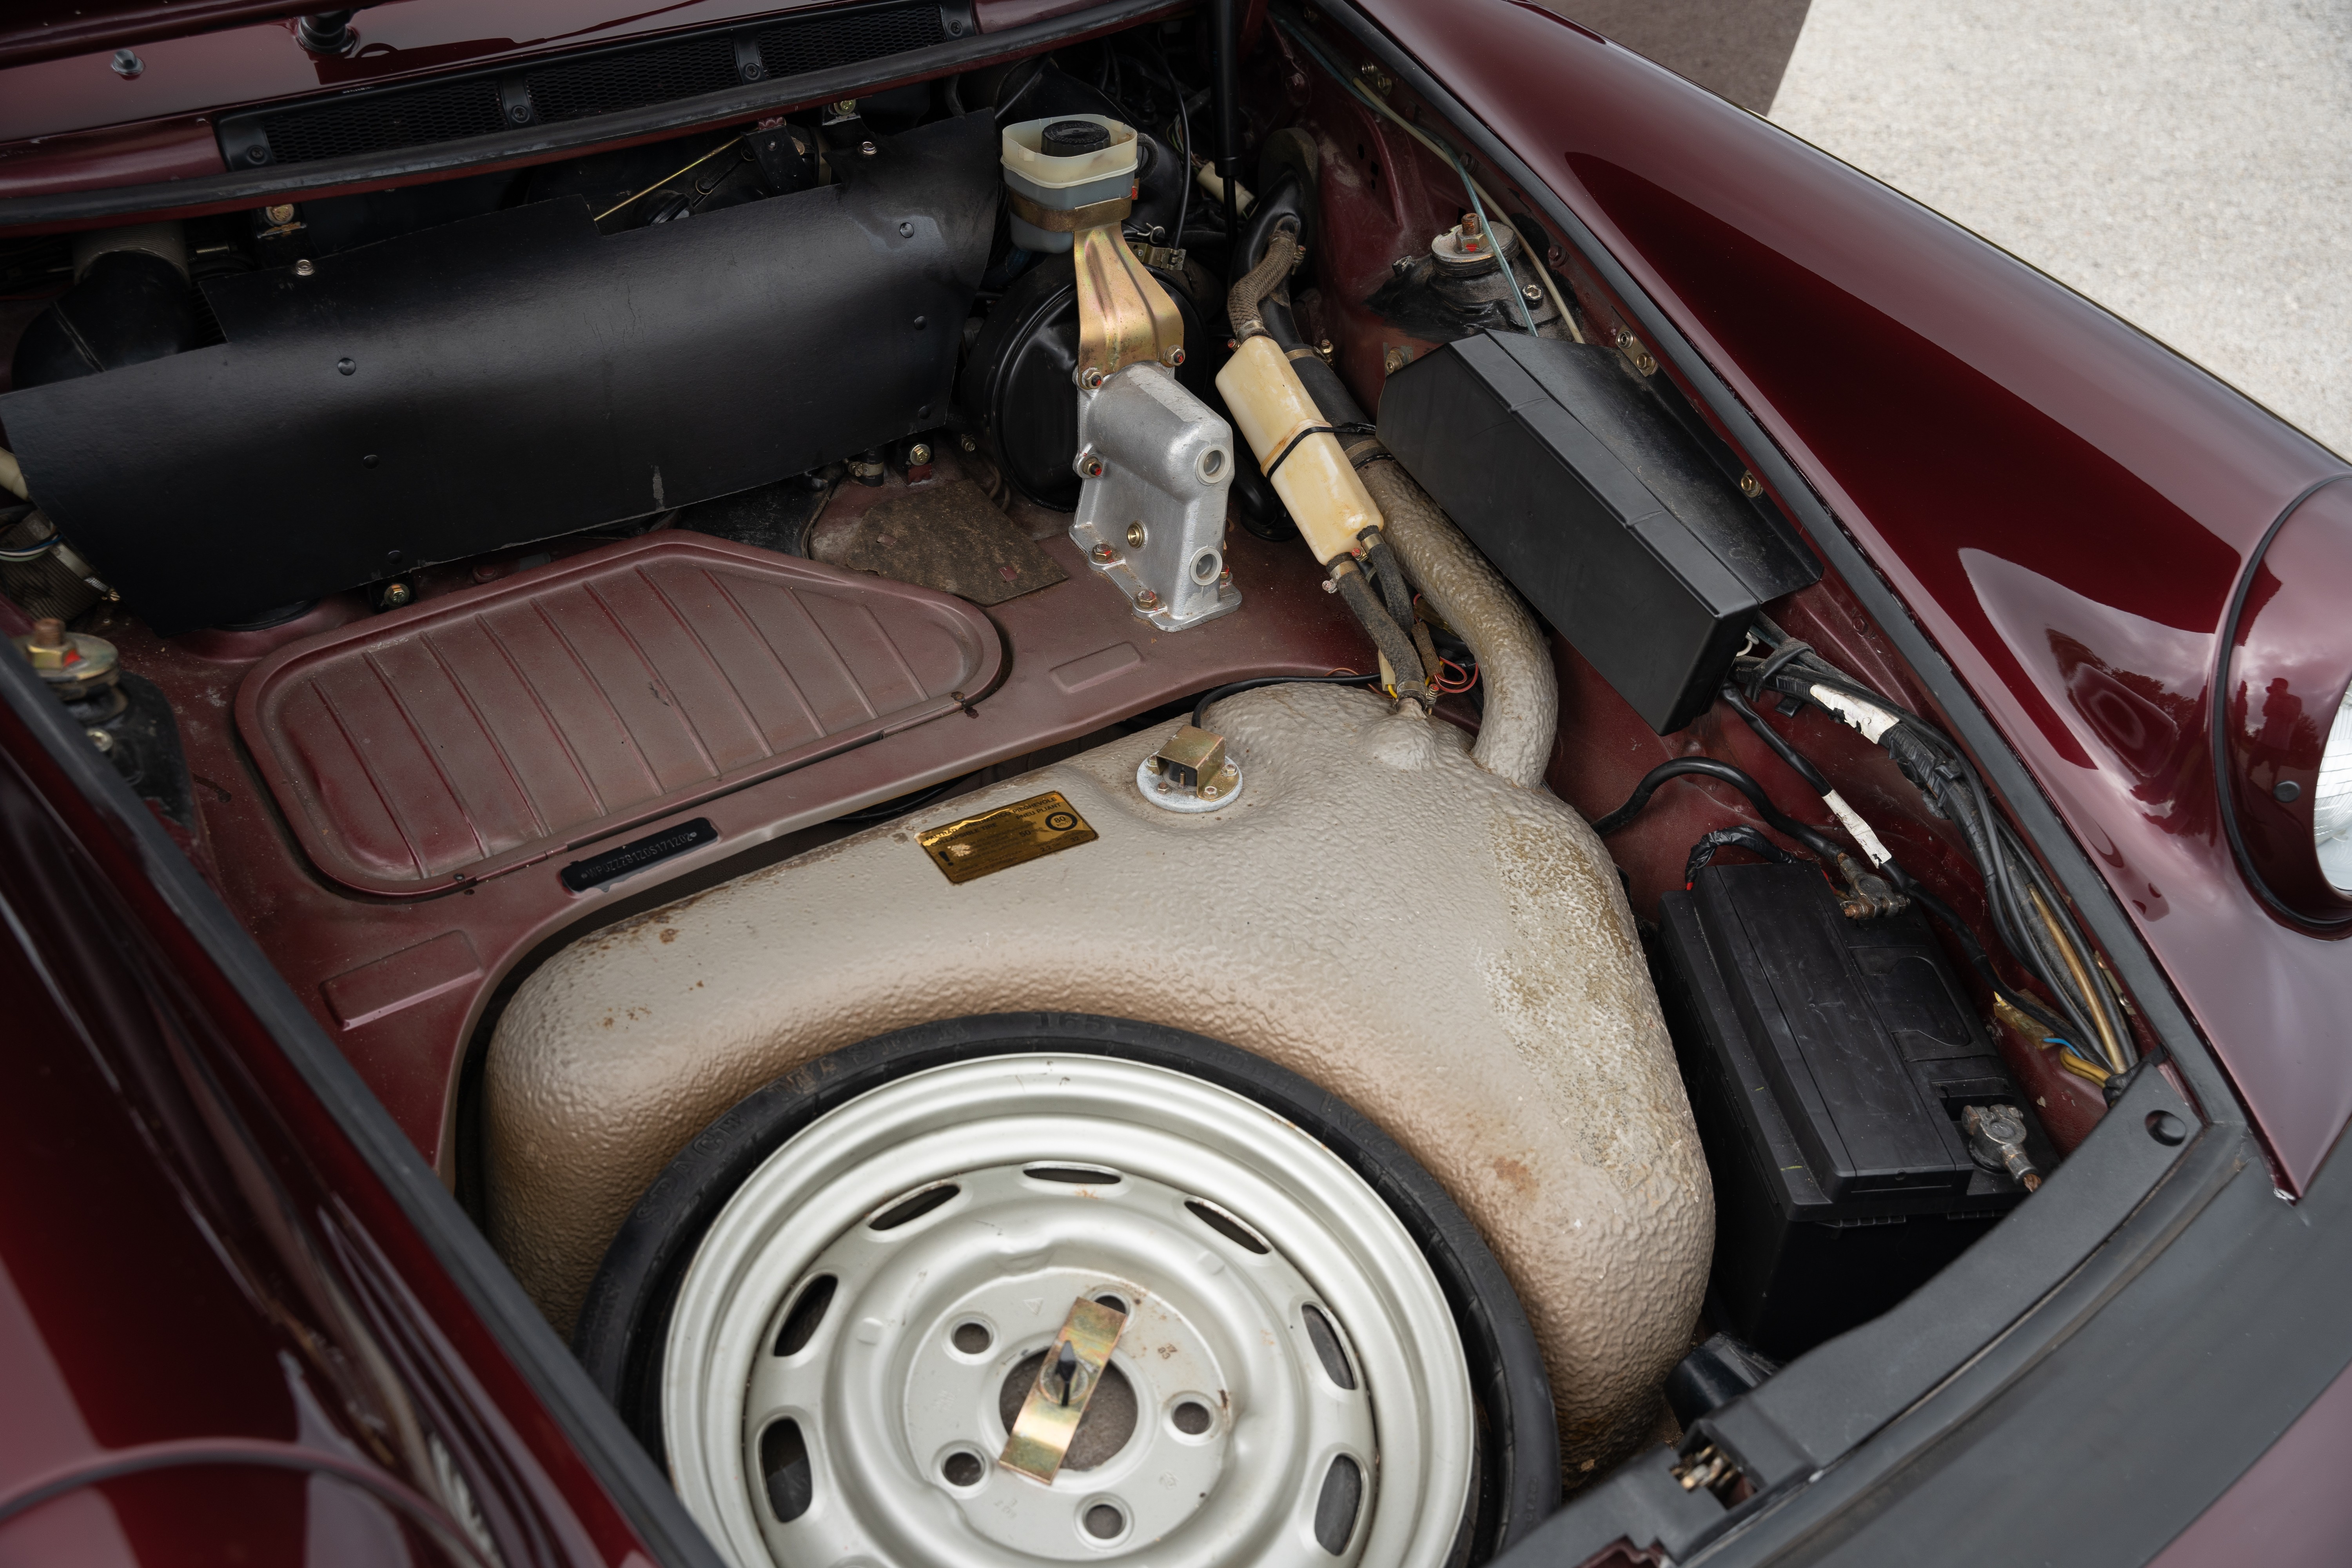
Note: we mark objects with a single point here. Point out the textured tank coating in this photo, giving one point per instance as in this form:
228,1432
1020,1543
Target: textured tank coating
1448,951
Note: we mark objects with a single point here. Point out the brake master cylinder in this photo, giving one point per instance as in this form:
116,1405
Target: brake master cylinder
1154,461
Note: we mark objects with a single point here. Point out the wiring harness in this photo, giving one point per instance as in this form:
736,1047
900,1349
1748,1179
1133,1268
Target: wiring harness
2028,914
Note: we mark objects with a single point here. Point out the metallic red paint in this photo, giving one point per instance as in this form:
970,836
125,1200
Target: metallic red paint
2063,503
1077,658
218,1328
2289,664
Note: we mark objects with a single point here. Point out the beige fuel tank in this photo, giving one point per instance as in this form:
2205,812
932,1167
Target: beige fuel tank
1450,953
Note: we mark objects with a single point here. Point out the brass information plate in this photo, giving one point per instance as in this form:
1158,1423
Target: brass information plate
1009,836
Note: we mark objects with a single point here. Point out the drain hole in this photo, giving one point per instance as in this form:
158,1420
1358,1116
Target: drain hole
972,1338
1116,1303
801,1322
1335,1510
963,1469
1102,1430
1104,1522
1226,1226
1204,566
1072,1176
1192,1417
1328,1349
784,1460
914,1208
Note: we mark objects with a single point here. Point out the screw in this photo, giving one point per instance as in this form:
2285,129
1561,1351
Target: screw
1152,763
845,107
868,149
1330,585
1091,466
1209,792
397,594
1104,554
906,231
1393,361
1090,378
1225,576
1534,294
1176,356
303,268
370,461
968,444
1231,771
1749,486
100,739
1147,600
281,214
1135,536
348,366
919,454
127,64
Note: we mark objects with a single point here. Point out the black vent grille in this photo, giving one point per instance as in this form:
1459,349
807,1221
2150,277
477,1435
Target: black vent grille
383,123
606,82
821,41
632,78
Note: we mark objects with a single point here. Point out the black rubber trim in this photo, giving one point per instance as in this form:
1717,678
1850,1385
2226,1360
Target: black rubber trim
642,1493
774,96
2219,728
625,1318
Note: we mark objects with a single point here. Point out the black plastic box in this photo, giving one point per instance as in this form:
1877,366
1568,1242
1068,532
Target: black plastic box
1605,500
1828,1062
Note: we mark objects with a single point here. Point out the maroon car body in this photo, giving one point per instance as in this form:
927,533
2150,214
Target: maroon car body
237,1309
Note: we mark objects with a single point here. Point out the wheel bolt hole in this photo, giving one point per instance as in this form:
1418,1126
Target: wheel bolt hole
1104,1522
972,1338
963,1469
1116,1303
1192,1417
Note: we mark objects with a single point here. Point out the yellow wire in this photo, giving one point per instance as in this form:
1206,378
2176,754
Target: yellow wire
666,179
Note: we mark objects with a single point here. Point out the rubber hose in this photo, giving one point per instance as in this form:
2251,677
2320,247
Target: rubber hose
1404,659
1250,290
1515,735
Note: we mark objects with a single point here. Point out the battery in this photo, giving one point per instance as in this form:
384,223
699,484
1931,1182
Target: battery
1829,1063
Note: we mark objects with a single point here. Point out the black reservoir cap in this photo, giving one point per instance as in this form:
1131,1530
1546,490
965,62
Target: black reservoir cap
1616,513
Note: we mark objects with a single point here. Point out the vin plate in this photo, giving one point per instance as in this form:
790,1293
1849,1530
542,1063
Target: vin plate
1009,836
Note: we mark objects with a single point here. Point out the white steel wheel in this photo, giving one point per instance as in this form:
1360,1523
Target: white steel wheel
857,1326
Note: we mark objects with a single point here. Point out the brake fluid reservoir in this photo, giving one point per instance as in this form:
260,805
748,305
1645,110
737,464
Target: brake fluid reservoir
1065,173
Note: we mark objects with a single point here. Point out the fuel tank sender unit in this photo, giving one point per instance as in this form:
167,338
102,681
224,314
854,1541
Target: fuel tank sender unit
1154,462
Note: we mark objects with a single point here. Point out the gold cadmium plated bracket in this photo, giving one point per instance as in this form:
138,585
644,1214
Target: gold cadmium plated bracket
1067,1380
1125,317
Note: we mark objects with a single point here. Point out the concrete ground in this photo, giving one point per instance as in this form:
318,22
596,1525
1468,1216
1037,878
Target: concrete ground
2187,164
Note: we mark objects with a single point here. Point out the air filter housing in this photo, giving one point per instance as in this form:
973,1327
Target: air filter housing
1607,503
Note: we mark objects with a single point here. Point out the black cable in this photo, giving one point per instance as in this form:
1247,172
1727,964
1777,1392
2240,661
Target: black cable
1797,761
1201,708
1812,839
1740,837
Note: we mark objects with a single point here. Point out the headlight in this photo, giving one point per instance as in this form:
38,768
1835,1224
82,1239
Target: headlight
2331,801
2283,728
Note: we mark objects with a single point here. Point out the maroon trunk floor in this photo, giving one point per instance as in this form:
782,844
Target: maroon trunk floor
402,985
487,730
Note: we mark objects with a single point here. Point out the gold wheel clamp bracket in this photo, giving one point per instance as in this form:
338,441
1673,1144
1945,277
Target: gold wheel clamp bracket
1067,1380
1154,462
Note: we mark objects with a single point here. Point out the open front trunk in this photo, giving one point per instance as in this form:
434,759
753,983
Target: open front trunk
1092,797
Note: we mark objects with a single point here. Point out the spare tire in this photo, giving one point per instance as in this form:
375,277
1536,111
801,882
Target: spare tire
789,1234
